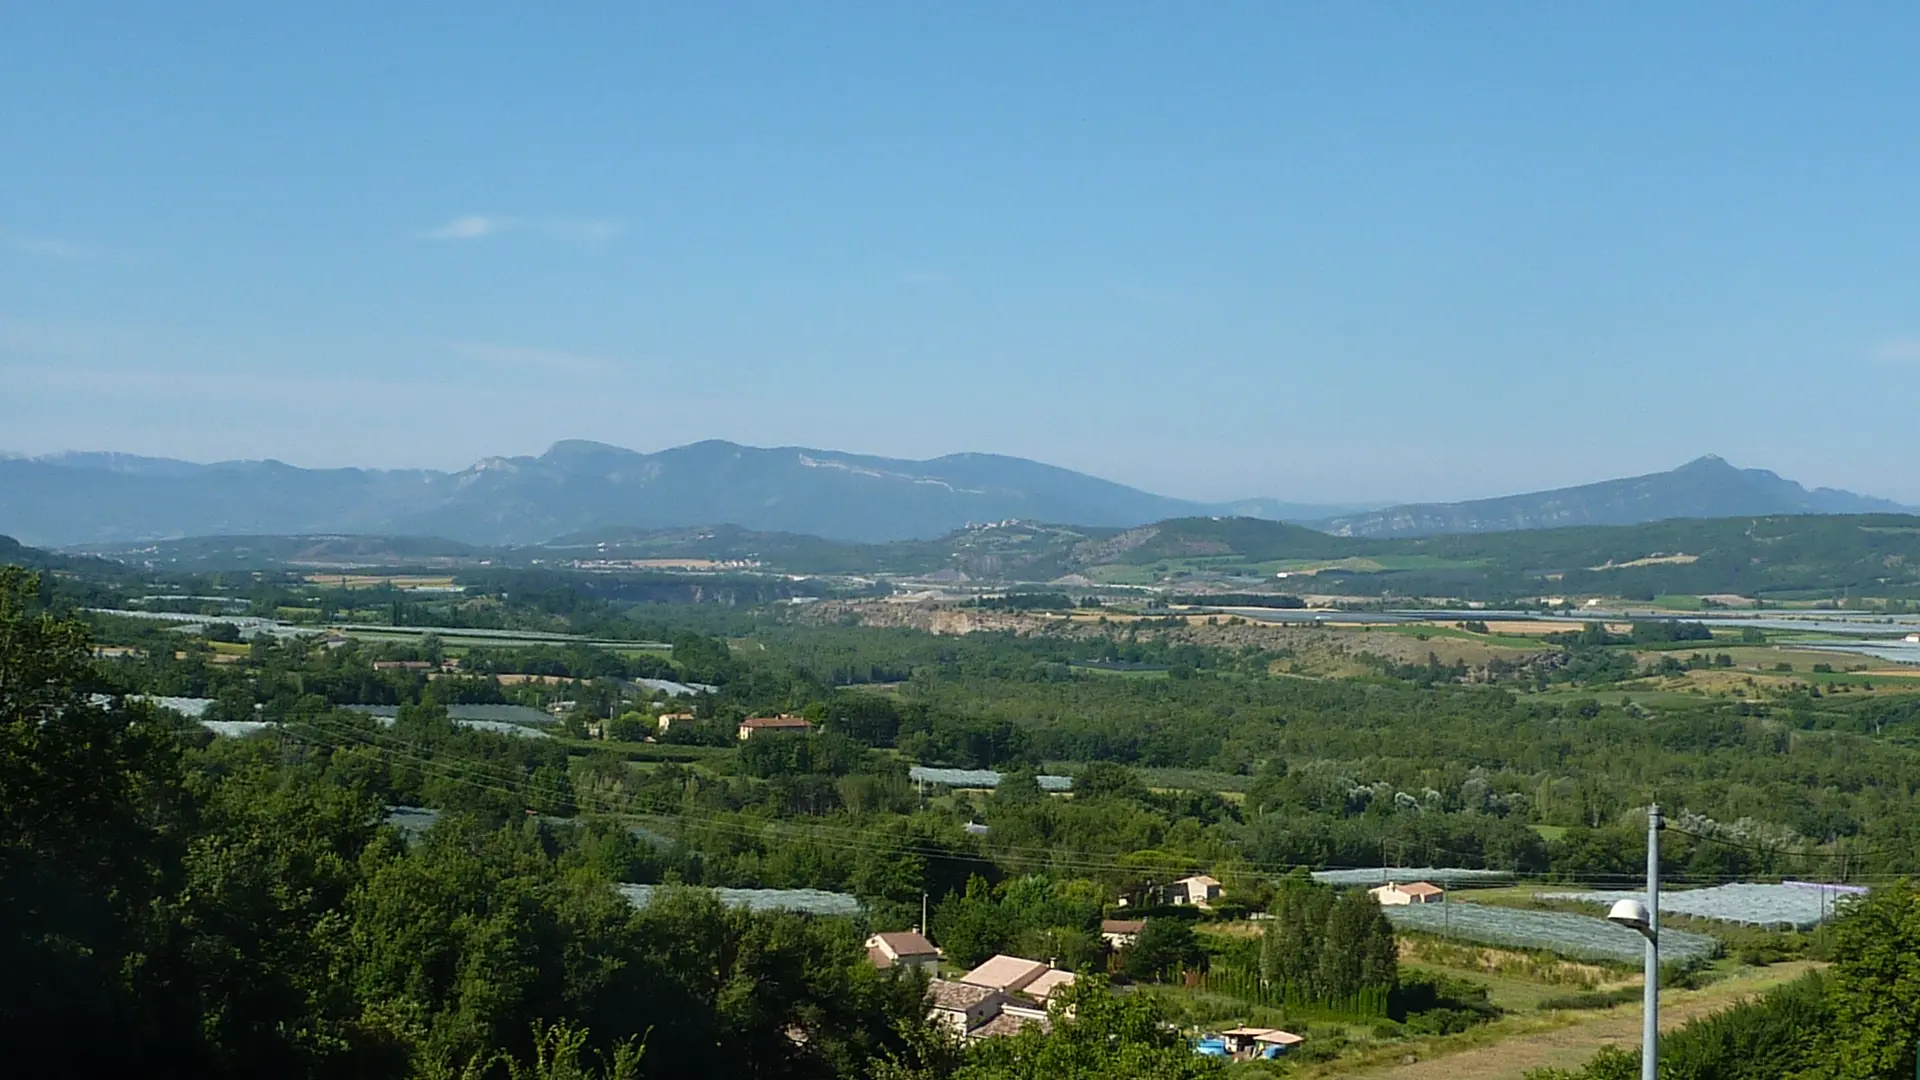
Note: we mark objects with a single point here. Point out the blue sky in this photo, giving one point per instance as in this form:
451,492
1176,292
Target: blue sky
1326,252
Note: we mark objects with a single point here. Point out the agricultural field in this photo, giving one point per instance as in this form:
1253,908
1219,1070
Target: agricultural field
1371,876
1799,906
1563,933
402,582
1366,564
506,639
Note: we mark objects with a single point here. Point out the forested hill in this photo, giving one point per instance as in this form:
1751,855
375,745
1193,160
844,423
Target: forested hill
1865,554
1705,488
1776,557
14,553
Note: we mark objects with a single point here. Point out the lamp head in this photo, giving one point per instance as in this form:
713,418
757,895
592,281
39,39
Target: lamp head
1631,914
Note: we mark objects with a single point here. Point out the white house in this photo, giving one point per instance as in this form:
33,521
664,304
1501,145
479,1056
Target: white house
1198,889
1418,892
905,949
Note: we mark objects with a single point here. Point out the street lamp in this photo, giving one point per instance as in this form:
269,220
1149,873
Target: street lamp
1644,919
1632,914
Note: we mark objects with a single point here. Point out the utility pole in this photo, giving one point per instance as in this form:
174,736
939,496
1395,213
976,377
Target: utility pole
1645,919
1650,1031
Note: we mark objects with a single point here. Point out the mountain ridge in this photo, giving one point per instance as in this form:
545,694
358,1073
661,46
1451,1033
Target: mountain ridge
1706,487
578,485
82,498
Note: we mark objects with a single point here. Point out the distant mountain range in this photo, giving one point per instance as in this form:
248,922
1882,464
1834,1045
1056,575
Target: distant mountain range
577,487
85,498
1707,487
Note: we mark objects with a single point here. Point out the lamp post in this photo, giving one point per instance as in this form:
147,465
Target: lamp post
1645,918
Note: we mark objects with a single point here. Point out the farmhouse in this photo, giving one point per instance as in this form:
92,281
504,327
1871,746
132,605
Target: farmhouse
905,949
1016,975
1120,933
667,721
1198,889
980,1012
1418,892
774,724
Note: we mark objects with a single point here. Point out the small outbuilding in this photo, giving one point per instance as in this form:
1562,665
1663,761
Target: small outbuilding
1246,1043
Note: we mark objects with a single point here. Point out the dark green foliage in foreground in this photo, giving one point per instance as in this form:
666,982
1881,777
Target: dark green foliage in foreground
1874,995
237,911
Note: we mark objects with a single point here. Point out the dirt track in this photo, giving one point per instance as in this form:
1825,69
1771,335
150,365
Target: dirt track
1570,1045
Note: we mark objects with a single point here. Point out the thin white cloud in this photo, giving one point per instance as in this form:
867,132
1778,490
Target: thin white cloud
471,227
538,359
48,247
481,226
1899,350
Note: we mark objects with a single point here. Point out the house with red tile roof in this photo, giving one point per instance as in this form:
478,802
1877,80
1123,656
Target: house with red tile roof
775,724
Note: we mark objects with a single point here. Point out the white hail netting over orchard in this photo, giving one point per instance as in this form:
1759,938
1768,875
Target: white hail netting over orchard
980,778
1381,875
1579,936
811,901
1799,905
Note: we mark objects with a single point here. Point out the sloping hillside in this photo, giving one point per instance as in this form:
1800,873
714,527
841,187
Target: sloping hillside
1706,488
